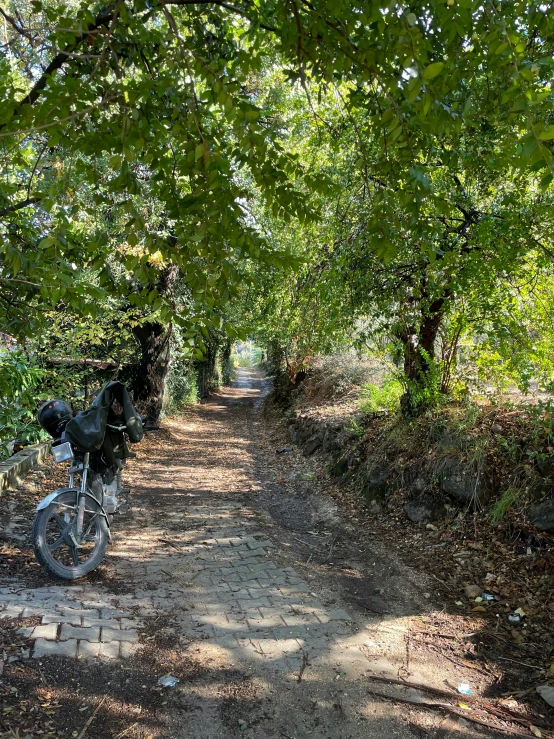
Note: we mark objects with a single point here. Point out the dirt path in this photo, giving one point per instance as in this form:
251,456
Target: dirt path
222,576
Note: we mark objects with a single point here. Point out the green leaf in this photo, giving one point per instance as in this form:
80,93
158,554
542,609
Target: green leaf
433,70
546,180
547,134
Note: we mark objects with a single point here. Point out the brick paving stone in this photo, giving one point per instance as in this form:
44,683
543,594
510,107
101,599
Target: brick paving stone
98,622
110,634
8,597
128,623
265,622
258,544
338,614
48,648
33,610
79,612
89,649
259,601
300,620
58,618
79,632
109,650
12,611
128,650
113,612
45,631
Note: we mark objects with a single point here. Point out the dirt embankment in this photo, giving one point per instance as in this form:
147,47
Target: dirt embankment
456,495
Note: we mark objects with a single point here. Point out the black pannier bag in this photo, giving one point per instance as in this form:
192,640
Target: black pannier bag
88,431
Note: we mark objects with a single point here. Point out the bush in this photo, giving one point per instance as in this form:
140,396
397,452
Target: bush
20,378
181,388
387,397
335,376
227,370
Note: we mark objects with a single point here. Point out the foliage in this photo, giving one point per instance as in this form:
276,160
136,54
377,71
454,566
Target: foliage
384,397
355,428
512,498
181,389
312,175
227,370
20,379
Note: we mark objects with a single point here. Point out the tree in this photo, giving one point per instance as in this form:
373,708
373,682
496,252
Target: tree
104,109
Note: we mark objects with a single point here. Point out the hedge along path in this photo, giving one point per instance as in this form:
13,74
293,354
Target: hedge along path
199,583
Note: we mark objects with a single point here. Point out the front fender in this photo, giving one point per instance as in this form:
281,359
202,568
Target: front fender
45,502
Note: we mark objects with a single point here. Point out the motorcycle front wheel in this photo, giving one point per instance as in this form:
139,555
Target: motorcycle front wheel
54,545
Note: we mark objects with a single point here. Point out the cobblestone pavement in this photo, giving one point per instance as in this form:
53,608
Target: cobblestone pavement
195,560
76,621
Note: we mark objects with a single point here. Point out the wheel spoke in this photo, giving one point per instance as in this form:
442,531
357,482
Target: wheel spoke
75,553
59,520
56,544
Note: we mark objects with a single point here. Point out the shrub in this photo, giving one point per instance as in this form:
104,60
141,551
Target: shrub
20,378
387,397
181,387
335,376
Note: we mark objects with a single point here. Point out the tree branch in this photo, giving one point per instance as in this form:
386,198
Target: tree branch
20,30
18,206
102,21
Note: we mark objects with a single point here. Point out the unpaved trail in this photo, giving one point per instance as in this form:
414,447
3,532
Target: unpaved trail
208,579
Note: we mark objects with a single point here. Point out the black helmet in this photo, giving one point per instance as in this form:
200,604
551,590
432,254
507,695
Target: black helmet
53,416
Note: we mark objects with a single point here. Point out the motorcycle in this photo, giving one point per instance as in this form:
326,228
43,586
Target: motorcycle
72,527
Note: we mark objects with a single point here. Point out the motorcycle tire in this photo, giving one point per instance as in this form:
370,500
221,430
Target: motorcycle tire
71,563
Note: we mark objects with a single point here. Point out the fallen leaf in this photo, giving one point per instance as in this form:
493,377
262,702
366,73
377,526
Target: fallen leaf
535,731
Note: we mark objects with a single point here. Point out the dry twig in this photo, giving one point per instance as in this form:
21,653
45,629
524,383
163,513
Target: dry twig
305,663
91,718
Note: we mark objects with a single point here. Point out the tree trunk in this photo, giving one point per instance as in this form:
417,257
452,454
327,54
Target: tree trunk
206,369
149,376
419,355
226,364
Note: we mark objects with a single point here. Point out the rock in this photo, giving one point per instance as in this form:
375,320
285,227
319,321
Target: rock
542,515
419,484
375,480
312,445
421,511
463,484
472,591
339,467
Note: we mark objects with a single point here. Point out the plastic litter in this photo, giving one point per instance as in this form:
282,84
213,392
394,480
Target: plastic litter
168,681
546,692
514,618
487,596
464,689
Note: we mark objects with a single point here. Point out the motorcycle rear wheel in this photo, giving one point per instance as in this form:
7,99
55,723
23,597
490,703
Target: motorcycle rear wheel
53,547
